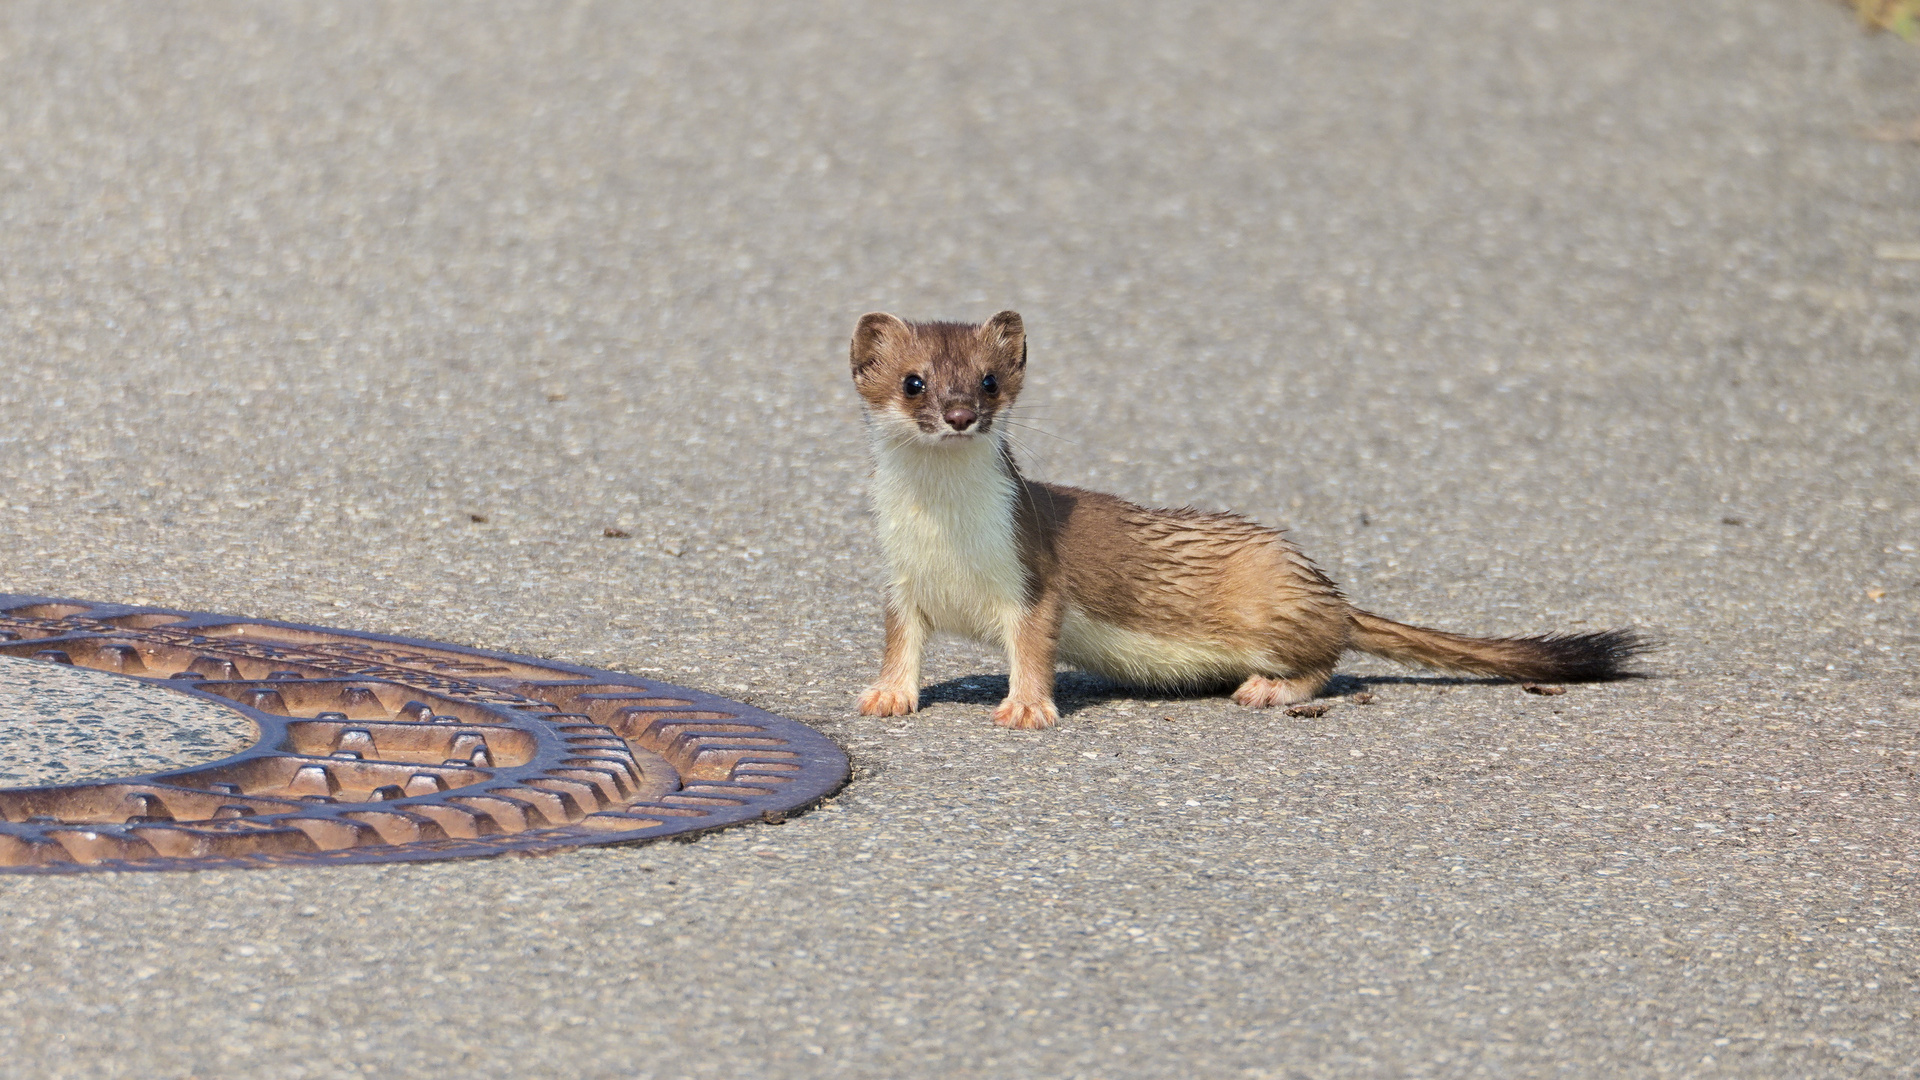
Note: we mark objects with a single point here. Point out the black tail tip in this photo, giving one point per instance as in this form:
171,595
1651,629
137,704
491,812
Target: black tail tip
1591,656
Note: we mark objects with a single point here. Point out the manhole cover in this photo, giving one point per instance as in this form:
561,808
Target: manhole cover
369,748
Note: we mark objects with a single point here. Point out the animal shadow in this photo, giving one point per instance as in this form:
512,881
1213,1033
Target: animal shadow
1072,691
1077,690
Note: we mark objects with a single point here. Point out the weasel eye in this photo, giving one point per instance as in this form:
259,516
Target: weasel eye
914,385
990,384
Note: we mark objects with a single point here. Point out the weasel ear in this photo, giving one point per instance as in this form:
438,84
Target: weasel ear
875,330
1007,332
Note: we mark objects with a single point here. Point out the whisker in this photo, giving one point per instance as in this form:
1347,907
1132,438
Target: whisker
1027,410
1028,414
1038,431
1018,444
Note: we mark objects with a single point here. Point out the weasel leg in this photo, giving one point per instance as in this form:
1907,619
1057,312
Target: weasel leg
897,691
1031,650
1261,692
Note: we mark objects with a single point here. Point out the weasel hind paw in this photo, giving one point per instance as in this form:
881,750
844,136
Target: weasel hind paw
888,701
1026,715
1261,692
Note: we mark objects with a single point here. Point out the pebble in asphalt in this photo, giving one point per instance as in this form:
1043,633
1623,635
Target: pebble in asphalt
1519,317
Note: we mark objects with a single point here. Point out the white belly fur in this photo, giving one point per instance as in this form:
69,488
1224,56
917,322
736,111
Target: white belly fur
1138,658
946,524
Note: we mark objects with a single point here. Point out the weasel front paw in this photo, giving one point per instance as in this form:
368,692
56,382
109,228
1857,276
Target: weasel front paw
1026,715
883,700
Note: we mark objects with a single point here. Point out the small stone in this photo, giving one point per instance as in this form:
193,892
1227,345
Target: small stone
1316,708
477,519
1876,595
1363,698
616,534
1543,691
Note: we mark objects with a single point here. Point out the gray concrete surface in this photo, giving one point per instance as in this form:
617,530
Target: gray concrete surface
1520,316
59,725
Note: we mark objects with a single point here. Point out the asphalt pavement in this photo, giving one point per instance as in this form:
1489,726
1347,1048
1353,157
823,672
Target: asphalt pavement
1518,316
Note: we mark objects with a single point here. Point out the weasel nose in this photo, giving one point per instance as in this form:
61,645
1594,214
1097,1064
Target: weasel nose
960,419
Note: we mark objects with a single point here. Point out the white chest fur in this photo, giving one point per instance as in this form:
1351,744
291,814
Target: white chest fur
946,523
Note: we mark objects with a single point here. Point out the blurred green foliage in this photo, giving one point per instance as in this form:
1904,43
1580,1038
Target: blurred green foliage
1900,16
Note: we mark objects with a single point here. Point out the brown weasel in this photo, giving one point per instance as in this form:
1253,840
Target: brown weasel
1162,599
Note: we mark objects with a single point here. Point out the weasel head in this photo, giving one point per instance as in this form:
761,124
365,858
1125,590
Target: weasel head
938,383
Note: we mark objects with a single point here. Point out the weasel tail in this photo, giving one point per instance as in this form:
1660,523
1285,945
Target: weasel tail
1590,657
1162,599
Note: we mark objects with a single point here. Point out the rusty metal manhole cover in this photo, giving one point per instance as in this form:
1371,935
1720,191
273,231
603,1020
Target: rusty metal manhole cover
377,749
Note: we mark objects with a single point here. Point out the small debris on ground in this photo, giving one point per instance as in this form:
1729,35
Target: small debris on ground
773,817
477,519
1543,691
616,534
1732,521
1362,698
1876,595
1316,708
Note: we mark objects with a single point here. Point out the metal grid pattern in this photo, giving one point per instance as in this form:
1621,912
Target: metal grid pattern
375,749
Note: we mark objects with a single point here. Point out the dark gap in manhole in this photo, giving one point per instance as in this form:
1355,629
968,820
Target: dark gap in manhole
379,749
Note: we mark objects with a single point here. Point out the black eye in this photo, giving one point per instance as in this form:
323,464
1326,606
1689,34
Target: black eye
990,384
914,385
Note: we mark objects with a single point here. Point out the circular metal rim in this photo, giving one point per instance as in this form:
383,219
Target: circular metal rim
608,758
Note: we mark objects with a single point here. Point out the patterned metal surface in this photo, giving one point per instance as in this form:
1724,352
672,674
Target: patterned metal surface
377,749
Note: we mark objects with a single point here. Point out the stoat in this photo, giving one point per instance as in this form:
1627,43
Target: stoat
1173,600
